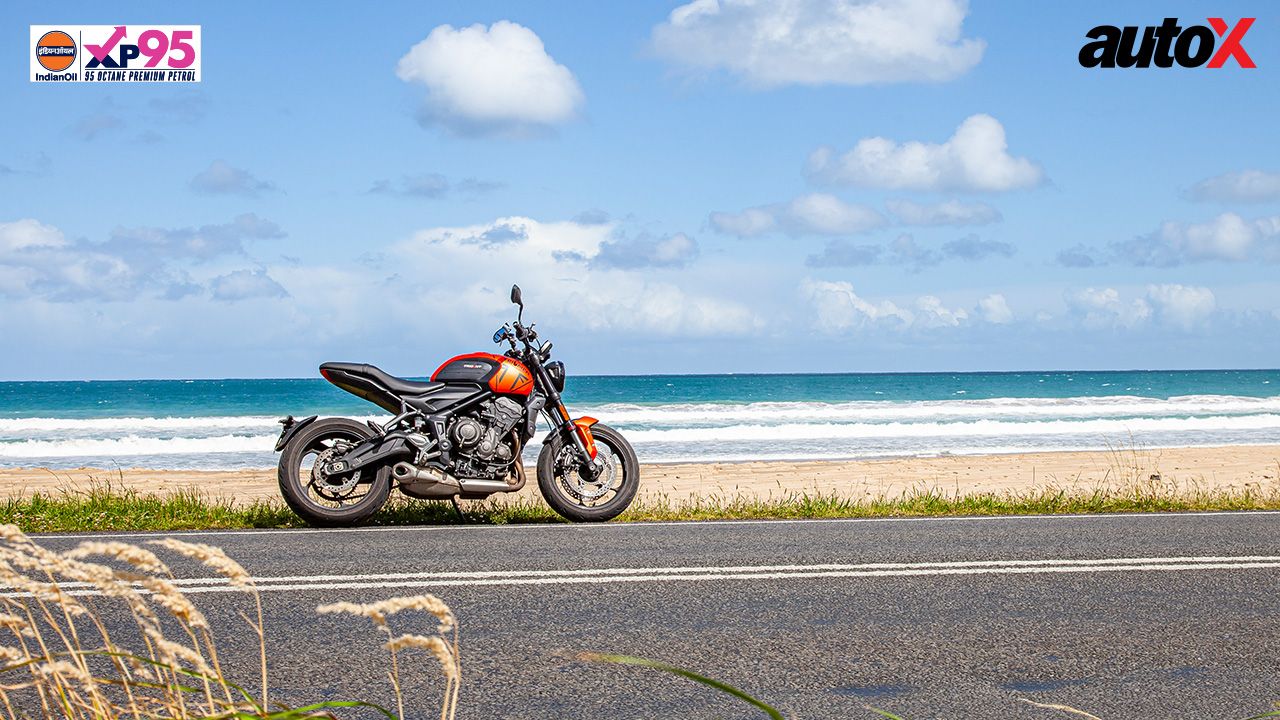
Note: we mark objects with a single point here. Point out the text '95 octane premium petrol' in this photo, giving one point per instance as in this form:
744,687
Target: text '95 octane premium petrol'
458,436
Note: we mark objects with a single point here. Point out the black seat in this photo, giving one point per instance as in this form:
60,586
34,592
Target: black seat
399,386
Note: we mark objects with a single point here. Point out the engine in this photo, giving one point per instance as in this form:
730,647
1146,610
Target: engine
483,446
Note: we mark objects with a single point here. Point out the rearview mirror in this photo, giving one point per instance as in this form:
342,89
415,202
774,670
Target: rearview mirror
515,296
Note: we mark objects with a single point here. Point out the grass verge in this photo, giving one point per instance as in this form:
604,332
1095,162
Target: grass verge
103,507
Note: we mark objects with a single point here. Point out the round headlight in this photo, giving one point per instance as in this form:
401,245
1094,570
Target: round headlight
555,369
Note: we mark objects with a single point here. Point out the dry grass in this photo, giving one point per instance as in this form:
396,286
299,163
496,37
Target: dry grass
59,660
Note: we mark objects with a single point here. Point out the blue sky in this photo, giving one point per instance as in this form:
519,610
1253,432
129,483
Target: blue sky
804,186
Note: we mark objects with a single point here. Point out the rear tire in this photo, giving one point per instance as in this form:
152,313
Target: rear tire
556,488
301,488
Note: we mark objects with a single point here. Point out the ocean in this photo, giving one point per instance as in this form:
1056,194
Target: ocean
226,424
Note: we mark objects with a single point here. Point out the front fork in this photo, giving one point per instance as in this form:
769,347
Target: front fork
583,441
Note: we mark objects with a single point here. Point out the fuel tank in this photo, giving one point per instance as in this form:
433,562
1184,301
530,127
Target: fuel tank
503,375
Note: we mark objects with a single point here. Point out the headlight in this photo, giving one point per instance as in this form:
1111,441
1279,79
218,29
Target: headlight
555,370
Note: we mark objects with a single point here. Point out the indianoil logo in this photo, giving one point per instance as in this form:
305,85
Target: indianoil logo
55,51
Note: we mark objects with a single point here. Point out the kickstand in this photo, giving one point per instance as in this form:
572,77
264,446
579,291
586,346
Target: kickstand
454,499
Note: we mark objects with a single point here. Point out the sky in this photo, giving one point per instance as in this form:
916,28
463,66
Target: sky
800,186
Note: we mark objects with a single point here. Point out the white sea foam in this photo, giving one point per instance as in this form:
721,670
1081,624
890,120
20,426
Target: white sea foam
133,446
935,411
977,428
714,431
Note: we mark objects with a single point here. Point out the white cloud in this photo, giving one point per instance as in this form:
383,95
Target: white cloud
1177,306
950,212
812,214
26,234
975,158
1241,186
571,269
836,307
1182,306
930,312
818,42
38,261
1100,308
995,309
245,285
498,79
1227,237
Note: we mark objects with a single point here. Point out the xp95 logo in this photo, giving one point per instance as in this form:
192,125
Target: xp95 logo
1166,44
115,53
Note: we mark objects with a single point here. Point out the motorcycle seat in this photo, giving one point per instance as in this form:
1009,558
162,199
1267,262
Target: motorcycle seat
400,386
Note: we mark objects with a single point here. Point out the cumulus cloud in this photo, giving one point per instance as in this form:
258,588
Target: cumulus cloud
220,178
37,260
1227,237
995,309
836,308
1178,306
950,212
1243,186
583,273
974,159
498,79
245,285
1182,306
432,186
675,250
821,42
1099,308
812,214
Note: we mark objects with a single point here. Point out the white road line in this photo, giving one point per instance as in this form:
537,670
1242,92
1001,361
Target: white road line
704,569
690,574
634,525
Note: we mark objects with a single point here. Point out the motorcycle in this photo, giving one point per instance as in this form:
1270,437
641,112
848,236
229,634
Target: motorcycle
458,436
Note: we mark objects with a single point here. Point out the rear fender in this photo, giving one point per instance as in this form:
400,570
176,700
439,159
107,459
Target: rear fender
291,428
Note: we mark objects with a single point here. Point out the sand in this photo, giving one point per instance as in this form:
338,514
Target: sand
1210,468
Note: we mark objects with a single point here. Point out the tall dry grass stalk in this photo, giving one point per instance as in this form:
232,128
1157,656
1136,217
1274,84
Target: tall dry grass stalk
60,660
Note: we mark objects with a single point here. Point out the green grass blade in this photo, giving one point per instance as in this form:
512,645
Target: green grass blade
883,713
687,674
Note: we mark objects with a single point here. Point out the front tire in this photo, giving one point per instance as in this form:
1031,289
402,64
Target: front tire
330,501
578,500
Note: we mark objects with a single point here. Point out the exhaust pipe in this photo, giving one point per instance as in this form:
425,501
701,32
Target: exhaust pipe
421,484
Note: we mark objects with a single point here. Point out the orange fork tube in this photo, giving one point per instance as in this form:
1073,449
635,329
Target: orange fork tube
582,428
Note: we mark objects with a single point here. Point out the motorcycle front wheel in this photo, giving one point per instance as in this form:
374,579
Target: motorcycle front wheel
330,500
574,496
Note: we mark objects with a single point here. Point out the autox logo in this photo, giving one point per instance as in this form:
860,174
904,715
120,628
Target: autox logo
1167,43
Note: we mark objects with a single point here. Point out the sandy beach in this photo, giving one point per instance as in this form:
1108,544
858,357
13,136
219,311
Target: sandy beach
1235,467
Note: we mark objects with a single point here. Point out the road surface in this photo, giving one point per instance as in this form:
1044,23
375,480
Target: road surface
1126,616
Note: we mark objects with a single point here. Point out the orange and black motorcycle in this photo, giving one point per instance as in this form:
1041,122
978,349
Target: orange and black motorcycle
458,436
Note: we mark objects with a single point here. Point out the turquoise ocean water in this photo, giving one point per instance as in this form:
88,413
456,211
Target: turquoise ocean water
211,424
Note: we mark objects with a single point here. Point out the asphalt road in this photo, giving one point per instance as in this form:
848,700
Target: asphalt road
1143,616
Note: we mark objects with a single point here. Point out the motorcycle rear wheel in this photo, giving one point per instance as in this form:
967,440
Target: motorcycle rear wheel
336,501
571,496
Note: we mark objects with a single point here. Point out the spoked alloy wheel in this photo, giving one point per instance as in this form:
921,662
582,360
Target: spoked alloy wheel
330,499
576,495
